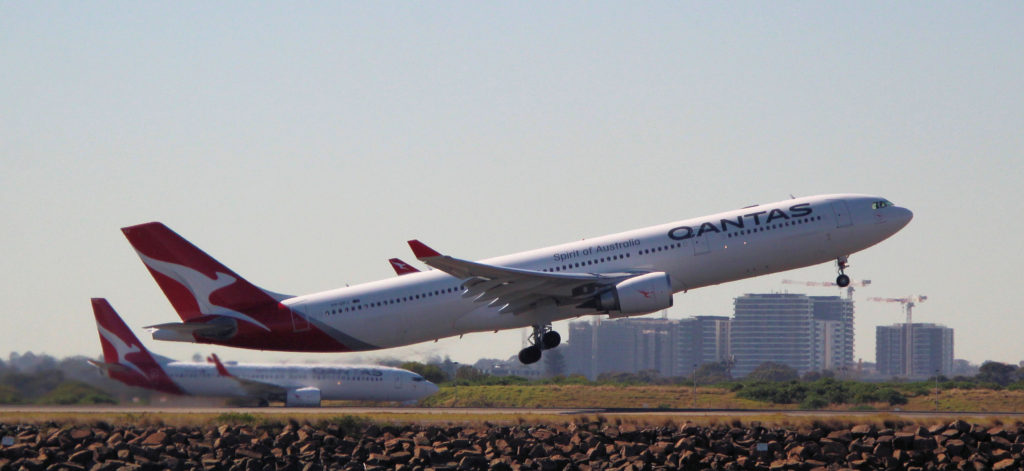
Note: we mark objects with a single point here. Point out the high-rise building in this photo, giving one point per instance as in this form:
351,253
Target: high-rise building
833,334
669,346
700,340
932,350
772,327
806,333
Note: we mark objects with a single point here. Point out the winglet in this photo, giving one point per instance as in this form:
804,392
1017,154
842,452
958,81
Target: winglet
220,366
402,268
421,250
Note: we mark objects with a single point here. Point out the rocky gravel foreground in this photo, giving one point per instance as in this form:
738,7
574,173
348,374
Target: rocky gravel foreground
597,445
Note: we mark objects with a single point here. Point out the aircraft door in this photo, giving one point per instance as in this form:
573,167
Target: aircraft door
842,214
702,244
300,318
398,381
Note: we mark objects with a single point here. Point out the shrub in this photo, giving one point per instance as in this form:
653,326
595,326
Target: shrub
813,401
9,395
76,392
892,396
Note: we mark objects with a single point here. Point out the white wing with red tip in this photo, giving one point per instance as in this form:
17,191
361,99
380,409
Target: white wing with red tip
516,290
252,387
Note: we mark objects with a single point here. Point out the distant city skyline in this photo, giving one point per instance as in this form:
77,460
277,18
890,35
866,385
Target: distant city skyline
304,145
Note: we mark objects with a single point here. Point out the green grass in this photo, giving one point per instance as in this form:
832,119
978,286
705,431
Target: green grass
570,396
587,396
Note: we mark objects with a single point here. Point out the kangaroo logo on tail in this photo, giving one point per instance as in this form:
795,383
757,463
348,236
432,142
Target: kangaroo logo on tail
124,357
201,286
195,283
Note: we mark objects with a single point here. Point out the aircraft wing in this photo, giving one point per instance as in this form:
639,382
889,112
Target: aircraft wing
254,388
517,290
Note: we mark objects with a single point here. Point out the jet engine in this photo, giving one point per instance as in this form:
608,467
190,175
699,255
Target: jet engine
638,295
303,397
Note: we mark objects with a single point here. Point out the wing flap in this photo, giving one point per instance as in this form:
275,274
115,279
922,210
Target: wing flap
516,290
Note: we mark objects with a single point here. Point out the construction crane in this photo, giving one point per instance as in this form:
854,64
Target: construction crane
908,305
849,289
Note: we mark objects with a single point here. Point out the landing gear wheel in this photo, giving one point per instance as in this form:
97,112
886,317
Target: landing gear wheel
550,340
842,280
529,355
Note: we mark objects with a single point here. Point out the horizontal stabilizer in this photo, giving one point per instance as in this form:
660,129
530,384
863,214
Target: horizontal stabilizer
107,367
187,331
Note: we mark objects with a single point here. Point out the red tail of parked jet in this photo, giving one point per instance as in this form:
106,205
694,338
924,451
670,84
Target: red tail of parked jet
124,357
219,306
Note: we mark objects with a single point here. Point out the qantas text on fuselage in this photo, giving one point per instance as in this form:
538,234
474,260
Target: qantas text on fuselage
625,274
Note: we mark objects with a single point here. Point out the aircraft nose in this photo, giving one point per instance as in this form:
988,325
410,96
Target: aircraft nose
904,216
431,388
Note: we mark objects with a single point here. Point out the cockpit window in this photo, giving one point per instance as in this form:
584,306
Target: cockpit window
417,378
881,204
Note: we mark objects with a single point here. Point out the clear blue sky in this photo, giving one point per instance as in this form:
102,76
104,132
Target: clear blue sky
303,144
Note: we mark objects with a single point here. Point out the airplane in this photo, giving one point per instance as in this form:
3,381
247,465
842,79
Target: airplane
625,274
128,361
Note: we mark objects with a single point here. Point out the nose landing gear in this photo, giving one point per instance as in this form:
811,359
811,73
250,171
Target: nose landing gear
543,338
842,280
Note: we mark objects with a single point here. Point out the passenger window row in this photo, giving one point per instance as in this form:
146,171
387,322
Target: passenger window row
769,227
386,302
585,263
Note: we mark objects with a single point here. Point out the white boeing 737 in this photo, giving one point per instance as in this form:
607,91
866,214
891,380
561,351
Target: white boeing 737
128,361
625,274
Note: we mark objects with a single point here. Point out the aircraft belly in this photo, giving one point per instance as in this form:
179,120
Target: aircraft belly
738,260
205,386
404,325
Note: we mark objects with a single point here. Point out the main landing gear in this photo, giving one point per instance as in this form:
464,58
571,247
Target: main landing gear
842,280
543,338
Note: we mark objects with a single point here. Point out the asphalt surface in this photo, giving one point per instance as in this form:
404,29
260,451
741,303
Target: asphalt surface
469,411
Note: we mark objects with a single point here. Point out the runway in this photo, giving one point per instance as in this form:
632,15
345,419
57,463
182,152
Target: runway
470,412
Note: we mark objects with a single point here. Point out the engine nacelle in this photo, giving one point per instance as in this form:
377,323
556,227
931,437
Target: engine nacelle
303,397
638,295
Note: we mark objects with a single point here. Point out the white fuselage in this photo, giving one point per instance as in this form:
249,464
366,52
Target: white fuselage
694,253
335,382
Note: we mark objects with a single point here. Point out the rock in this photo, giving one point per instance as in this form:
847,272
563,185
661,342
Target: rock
83,456
156,438
955,447
80,434
1003,465
861,430
689,428
1001,442
960,426
924,444
904,440
832,448
842,436
246,452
